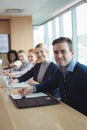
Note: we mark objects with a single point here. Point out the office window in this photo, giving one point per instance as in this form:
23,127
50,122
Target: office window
46,41
35,35
38,34
72,24
82,32
50,31
57,27
41,33
49,45
67,24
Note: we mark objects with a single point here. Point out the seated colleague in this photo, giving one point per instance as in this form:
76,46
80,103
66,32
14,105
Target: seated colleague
70,78
12,57
41,71
25,63
32,58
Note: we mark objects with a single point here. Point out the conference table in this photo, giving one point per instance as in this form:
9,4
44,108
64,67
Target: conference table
54,117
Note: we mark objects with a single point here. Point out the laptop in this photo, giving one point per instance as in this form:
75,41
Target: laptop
37,100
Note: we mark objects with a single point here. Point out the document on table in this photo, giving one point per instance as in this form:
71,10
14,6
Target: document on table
16,73
33,95
20,85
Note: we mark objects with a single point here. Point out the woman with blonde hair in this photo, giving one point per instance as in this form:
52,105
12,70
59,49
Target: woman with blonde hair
44,56
43,70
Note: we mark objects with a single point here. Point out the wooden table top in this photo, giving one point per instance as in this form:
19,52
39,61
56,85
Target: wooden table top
55,117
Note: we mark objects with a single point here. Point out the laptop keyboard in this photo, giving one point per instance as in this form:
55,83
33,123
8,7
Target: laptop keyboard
34,102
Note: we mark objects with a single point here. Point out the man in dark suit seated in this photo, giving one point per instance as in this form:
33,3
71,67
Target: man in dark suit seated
71,77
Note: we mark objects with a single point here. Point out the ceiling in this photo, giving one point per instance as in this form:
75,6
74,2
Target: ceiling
40,10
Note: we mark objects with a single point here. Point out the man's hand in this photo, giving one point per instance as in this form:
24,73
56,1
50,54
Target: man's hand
26,91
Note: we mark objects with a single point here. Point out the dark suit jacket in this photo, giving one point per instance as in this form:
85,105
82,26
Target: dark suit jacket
74,87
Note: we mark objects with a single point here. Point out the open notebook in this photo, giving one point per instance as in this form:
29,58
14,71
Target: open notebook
33,100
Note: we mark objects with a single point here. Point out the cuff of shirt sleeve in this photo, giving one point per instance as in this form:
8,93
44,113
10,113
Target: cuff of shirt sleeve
35,89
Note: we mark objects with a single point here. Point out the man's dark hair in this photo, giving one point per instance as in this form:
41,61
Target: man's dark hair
62,40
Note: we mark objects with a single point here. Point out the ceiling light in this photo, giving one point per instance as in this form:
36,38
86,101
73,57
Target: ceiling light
13,11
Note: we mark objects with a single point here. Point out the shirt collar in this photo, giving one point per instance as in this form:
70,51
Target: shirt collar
70,67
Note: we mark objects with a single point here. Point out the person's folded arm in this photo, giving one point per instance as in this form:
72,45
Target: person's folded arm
32,82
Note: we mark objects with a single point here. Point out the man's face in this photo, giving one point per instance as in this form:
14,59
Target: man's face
22,57
62,54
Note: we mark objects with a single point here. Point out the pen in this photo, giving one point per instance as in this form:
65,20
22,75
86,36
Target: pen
23,97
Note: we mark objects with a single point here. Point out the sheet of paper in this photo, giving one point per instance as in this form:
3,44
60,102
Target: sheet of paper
33,95
19,85
16,73
16,96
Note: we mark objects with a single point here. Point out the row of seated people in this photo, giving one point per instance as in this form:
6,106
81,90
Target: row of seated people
40,68
18,62
68,75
